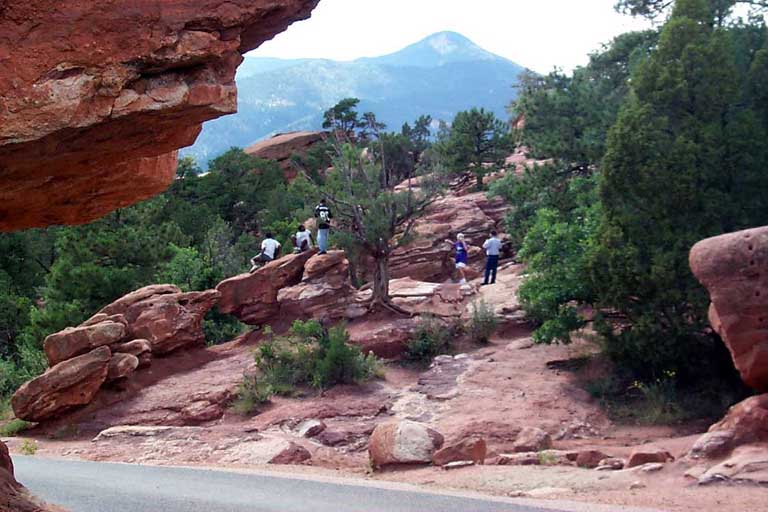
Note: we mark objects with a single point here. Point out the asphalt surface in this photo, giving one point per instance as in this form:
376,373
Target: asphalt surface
102,487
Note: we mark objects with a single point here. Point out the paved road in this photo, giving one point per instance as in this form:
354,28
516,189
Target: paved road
100,487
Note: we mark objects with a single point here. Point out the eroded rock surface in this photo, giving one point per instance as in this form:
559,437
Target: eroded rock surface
283,146
253,298
69,384
745,423
97,96
734,269
13,497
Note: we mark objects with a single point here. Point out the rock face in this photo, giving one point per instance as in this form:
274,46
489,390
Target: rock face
68,384
324,290
74,341
13,497
403,442
733,268
253,298
97,96
428,257
746,422
283,146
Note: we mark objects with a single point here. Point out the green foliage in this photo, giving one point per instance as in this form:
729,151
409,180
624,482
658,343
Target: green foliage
686,160
14,428
251,394
431,338
477,137
28,447
311,355
483,322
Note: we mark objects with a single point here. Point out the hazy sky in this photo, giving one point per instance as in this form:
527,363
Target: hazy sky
538,34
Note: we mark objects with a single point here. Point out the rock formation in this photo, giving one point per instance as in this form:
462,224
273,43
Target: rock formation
111,346
283,146
253,298
428,257
13,497
403,442
98,96
734,269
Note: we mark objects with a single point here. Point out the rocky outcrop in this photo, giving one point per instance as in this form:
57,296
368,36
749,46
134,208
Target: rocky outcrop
745,423
403,442
253,298
97,98
69,384
733,268
283,146
385,337
75,341
13,497
472,449
324,291
428,257
111,346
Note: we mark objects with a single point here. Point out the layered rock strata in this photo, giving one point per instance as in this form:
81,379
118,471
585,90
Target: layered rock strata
98,95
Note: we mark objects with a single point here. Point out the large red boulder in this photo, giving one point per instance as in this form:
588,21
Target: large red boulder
733,268
253,298
74,341
745,423
69,384
97,96
283,146
324,292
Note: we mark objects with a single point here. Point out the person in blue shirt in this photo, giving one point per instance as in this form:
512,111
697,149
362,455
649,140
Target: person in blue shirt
462,250
492,248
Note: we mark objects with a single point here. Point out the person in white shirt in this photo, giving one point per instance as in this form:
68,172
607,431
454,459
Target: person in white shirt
270,248
492,248
302,240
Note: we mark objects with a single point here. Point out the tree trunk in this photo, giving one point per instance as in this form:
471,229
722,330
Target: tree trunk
381,280
479,175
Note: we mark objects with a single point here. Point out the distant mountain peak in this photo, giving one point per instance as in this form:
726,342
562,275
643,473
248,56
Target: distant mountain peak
436,50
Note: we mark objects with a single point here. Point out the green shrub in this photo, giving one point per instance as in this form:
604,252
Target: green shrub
28,447
310,355
14,427
431,338
483,322
251,394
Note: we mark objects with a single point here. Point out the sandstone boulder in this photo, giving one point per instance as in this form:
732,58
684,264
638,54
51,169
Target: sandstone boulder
283,146
403,442
730,267
642,456
253,298
310,428
590,458
134,347
103,317
472,449
532,439
169,320
121,366
75,341
121,305
69,384
446,300
6,464
93,111
746,422
292,454
747,464
324,291
387,338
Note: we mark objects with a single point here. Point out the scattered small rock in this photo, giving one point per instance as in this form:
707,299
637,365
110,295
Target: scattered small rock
641,456
610,464
473,449
458,464
310,428
532,439
590,459
636,485
293,454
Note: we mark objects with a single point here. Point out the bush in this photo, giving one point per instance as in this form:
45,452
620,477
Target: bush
310,355
28,447
251,394
431,338
14,427
483,322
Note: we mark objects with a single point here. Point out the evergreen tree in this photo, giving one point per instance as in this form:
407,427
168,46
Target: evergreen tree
685,160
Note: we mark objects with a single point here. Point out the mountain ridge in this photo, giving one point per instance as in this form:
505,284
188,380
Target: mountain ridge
439,75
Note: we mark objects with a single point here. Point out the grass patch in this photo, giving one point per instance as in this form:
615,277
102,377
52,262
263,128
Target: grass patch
28,447
14,427
483,322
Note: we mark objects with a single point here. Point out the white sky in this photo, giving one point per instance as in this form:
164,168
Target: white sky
538,34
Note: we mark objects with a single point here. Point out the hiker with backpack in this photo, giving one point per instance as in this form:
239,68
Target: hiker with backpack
492,248
462,255
270,249
323,215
